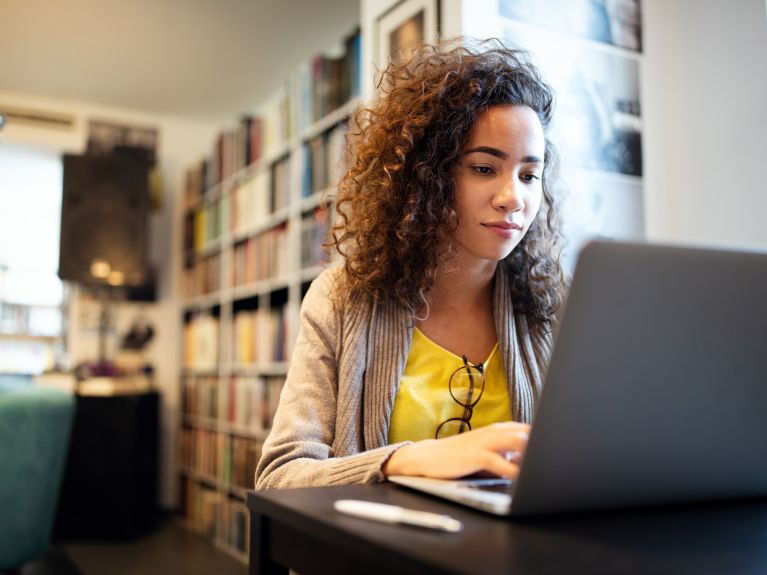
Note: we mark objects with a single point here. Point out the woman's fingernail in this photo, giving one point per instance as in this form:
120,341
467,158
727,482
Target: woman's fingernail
511,456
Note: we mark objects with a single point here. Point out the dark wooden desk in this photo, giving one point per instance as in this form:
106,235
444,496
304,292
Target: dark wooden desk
300,529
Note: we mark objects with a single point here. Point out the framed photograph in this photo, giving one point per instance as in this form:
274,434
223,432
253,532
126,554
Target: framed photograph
598,120
406,25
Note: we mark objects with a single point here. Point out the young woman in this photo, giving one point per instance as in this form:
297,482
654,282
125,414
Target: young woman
424,353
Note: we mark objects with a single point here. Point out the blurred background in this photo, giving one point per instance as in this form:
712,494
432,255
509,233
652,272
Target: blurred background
166,174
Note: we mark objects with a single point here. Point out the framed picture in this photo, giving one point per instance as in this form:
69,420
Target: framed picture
406,25
598,122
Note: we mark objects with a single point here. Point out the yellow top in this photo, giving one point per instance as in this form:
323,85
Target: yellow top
423,399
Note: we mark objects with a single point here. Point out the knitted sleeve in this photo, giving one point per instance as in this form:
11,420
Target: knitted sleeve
299,449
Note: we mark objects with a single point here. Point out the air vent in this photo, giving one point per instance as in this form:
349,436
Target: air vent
37,118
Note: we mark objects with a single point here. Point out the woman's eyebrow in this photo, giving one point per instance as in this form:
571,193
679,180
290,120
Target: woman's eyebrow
488,150
502,155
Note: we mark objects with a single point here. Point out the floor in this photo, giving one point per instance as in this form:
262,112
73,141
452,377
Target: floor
169,550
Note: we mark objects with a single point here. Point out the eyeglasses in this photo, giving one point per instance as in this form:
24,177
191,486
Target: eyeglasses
466,387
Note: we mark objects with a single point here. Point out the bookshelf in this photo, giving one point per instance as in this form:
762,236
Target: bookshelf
31,335
256,212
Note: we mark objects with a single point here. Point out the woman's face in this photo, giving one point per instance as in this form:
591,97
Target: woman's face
498,183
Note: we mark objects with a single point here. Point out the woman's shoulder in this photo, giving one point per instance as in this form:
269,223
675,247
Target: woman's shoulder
329,295
326,293
327,277
325,285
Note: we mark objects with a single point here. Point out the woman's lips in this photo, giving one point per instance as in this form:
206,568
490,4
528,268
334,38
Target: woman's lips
506,230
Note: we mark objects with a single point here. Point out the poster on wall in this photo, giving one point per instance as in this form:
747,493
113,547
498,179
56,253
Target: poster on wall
404,27
597,123
616,22
596,128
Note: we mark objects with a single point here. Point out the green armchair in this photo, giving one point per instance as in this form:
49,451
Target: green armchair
35,425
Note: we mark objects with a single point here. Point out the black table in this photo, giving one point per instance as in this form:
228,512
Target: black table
299,528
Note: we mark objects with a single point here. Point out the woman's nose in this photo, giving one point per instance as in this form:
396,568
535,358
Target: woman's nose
509,196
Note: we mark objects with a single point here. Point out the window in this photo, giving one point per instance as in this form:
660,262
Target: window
31,293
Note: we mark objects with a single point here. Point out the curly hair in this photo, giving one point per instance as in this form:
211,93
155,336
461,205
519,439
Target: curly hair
396,204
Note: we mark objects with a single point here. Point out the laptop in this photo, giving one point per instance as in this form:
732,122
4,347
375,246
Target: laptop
656,392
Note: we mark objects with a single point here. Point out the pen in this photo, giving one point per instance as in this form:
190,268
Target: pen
395,514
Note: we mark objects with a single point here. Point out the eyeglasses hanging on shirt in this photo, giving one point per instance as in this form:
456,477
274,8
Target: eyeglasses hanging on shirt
466,386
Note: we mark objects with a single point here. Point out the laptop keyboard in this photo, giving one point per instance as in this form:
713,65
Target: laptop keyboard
494,485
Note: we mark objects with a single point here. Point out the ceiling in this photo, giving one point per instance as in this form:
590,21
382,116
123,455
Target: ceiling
201,59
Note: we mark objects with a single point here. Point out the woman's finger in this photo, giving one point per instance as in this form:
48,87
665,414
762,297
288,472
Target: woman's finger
498,465
507,438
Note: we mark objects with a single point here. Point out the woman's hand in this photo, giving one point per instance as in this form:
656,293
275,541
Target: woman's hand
495,448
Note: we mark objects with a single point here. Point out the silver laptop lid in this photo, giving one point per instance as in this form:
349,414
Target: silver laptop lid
657,387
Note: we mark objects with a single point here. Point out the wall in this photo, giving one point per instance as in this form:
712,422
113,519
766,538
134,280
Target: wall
181,142
704,94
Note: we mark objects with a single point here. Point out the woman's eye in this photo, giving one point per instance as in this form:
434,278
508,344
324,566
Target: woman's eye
530,177
483,170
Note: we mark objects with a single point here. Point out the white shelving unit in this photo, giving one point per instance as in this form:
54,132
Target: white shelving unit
211,495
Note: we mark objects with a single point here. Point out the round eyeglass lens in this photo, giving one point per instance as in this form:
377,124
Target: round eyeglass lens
466,385
452,427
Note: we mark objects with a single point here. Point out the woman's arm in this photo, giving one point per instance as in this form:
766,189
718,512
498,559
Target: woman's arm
299,449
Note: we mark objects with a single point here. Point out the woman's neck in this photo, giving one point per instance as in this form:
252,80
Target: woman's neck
460,314
462,288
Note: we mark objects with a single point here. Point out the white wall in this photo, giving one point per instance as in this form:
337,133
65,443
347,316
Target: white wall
704,94
704,98
181,142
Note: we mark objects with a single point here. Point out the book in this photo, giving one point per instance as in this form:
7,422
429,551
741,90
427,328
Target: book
280,189
315,226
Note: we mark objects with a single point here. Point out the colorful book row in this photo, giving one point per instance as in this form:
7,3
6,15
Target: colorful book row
219,458
260,336
250,202
322,86
245,402
329,81
315,229
233,150
201,342
261,257
202,276
204,224
216,515
324,161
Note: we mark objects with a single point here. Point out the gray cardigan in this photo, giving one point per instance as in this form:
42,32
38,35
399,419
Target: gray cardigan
332,423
